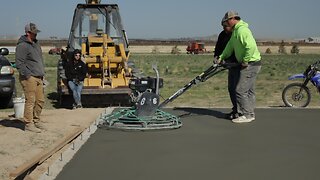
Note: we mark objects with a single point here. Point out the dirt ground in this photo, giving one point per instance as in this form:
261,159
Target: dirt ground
19,146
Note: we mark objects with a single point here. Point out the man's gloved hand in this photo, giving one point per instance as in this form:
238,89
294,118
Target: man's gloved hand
45,82
244,65
216,60
76,81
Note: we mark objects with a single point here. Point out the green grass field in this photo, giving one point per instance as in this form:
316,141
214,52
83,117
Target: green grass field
177,70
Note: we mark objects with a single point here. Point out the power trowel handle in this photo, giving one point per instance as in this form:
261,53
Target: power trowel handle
229,65
155,68
211,71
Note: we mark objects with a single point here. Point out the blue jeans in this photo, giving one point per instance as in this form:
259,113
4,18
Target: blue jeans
76,91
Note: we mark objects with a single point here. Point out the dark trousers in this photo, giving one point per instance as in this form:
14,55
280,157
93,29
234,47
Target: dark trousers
233,79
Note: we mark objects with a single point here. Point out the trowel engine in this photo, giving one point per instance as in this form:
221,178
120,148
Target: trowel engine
145,94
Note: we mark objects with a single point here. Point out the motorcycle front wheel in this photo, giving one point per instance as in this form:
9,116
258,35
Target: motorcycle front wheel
296,95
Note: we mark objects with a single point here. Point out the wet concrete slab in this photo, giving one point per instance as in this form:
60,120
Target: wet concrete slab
279,144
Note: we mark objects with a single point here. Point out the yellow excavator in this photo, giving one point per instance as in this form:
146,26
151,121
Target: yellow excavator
98,32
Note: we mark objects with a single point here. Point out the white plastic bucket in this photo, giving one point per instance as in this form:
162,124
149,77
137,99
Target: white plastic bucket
18,106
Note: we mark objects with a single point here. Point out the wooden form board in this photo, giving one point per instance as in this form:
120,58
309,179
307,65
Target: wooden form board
40,158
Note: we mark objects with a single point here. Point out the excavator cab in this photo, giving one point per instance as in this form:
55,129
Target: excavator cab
98,31
96,20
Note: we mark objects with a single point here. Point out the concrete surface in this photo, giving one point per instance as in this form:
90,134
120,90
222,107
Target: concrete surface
279,144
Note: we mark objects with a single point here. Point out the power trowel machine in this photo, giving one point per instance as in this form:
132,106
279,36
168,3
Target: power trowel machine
146,114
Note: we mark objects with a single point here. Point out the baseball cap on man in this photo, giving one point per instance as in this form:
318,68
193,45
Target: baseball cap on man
31,27
230,14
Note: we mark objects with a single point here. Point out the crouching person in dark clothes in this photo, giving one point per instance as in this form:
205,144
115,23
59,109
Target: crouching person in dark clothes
76,71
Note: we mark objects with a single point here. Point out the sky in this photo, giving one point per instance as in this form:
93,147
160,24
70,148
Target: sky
169,18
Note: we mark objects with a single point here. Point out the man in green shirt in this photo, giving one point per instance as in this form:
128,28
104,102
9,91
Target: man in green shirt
243,44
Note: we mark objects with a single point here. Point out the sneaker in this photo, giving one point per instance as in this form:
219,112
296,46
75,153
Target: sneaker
31,127
40,126
242,119
79,106
251,118
231,115
74,106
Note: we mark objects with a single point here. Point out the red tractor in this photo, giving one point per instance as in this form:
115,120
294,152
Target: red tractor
196,48
55,50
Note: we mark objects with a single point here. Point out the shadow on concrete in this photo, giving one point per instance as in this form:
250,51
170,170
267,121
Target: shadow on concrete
13,123
54,98
277,106
200,111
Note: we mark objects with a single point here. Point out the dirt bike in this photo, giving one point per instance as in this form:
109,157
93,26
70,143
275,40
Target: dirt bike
298,94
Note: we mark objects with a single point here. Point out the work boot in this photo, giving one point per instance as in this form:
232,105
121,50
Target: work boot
40,125
32,128
231,115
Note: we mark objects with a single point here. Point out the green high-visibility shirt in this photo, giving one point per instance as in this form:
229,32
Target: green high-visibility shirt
242,43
